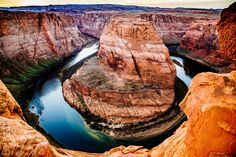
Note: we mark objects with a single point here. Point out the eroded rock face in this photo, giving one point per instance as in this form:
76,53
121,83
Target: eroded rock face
170,24
31,42
35,36
201,38
8,106
227,32
133,49
130,82
201,44
210,106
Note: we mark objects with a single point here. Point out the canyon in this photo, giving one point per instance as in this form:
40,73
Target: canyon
124,84
211,120
30,43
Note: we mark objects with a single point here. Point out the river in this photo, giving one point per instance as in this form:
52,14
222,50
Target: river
67,126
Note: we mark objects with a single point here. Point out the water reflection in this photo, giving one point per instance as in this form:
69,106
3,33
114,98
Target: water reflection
179,64
66,125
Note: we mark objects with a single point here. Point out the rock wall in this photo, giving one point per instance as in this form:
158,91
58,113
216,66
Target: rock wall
170,24
30,43
210,106
211,43
35,36
227,32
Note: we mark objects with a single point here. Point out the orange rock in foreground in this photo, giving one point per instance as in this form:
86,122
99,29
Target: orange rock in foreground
210,131
8,106
210,106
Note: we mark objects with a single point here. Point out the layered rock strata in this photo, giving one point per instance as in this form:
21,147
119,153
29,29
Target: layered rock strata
212,43
210,106
130,82
170,24
35,36
30,43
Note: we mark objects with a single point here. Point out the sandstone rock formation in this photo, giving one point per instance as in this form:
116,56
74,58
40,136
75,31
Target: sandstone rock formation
227,31
210,130
32,42
19,139
201,44
8,106
35,36
131,82
170,24
210,106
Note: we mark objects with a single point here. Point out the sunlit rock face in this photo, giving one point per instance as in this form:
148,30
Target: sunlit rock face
203,43
133,49
201,38
170,24
35,36
227,32
210,106
131,81
8,106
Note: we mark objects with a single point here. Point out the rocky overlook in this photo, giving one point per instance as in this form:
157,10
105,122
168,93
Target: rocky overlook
130,81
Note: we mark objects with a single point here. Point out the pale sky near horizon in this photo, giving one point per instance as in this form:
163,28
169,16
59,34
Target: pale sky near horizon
151,3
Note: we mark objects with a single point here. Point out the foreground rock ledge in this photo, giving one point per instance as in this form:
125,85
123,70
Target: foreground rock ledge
210,131
130,82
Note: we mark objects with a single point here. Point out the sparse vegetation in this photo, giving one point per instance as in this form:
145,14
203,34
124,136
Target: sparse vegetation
23,75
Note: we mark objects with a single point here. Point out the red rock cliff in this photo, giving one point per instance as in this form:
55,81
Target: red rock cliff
34,36
227,32
170,24
30,43
211,43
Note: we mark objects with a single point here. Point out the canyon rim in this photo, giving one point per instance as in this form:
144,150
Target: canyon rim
111,80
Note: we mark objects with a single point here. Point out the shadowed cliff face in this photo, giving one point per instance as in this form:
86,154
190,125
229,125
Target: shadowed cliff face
32,42
170,24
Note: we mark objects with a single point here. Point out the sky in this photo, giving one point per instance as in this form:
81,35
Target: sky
151,3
